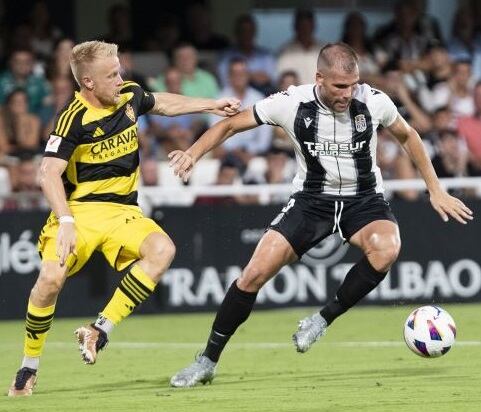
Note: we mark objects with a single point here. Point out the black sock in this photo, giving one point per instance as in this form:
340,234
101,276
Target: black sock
359,281
234,310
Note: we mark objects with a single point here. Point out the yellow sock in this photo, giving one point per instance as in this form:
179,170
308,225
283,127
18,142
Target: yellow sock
134,288
37,325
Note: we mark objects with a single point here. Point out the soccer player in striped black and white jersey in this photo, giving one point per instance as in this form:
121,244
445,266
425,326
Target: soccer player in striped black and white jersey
338,188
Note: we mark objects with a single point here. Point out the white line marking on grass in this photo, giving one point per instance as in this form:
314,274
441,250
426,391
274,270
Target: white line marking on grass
249,345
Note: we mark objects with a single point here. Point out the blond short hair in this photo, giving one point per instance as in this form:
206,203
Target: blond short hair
85,53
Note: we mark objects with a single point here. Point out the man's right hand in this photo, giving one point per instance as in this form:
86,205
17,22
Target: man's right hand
66,240
183,163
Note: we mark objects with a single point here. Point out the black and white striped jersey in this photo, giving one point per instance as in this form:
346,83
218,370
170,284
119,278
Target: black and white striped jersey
336,152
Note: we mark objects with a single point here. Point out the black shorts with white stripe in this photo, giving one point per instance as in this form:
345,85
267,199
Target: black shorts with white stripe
307,219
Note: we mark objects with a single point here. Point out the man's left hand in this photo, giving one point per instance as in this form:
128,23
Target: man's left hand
447,205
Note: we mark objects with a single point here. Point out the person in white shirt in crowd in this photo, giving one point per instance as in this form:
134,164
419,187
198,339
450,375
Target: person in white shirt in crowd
465,41
252,142
300,54
456,93
355,35
260,62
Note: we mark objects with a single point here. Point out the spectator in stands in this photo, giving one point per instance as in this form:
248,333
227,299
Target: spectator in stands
465,40
465,43
128,71
62,91
405,102
195,81
19,128
44,33
20,75
252,142
456,93
470,129
230,172
277,168
26,175
426,26
355,34
20,38
58,64
199,29
434,68
26,194
441,119
300,54
287,79
451,156
164,134
149,172
401,39
166,35
120,28
394,163
261,64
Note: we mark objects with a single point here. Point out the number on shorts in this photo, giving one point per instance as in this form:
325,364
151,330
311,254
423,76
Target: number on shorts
289,205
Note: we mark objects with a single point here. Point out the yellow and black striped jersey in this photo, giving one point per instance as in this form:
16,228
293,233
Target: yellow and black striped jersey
100,146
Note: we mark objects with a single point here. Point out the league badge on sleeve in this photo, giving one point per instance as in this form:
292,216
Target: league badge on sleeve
53,143
360,123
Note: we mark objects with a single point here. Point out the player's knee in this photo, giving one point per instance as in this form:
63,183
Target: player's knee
387,251
162,253
252,279
168,250
48,285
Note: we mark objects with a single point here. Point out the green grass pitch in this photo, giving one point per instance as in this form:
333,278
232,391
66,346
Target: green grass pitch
362,364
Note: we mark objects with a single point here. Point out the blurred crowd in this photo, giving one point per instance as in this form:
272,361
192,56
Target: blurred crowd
434,81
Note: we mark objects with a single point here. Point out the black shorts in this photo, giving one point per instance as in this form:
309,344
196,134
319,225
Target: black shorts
307,219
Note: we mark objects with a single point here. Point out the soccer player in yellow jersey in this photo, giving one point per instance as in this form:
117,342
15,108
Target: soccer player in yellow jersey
89,175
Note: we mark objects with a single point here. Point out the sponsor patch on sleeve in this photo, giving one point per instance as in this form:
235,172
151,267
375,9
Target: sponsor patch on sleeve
53,143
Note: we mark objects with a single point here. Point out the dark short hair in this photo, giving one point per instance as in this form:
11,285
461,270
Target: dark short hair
237,60
441,109
244,18
14,92
233,162
303,14
447,133
287,73
457,62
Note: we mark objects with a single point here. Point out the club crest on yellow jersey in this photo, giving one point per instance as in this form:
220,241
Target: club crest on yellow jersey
129,111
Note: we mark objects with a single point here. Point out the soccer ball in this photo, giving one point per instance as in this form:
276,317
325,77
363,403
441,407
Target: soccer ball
429,331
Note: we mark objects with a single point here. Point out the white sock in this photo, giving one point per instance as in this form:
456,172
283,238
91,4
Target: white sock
31,363
104,324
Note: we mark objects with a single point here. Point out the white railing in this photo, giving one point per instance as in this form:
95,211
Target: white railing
156,195
186,195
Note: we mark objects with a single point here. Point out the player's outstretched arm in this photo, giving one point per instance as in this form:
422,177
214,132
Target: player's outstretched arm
183,162
445,204
50,179
169,104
